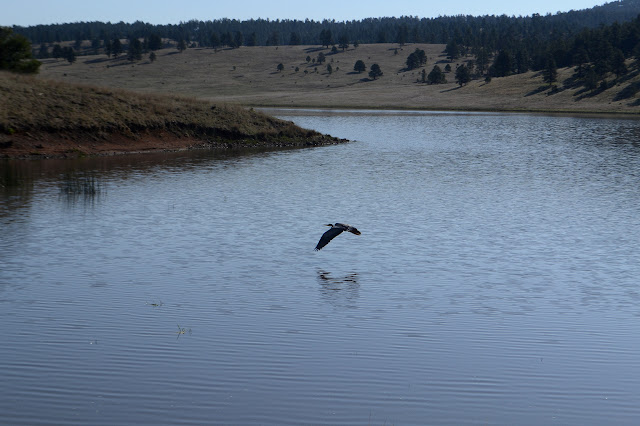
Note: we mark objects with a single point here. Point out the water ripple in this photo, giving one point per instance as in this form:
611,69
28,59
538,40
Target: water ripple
494,280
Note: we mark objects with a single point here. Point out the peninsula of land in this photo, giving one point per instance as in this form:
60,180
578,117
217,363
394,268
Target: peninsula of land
48,119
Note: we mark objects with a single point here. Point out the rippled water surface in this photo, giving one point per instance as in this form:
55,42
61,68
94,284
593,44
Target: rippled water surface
496,280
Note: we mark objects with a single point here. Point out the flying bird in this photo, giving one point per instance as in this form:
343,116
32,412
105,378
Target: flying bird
336,229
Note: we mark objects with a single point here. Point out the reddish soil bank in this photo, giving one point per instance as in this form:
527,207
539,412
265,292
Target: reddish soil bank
40,145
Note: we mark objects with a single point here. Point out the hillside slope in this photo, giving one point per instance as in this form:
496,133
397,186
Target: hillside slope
249,76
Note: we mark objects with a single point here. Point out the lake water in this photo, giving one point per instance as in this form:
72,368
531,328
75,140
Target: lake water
496,280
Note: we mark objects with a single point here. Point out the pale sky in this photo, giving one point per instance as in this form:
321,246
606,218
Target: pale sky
34,12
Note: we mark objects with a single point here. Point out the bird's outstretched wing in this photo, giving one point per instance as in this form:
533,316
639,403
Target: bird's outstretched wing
328,236
353,230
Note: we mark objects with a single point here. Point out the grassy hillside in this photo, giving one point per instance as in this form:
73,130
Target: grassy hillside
41,117
248,76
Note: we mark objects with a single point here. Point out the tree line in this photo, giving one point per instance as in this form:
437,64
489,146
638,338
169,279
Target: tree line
494,32
597,41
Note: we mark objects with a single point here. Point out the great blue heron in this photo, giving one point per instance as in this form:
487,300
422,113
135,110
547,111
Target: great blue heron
336,229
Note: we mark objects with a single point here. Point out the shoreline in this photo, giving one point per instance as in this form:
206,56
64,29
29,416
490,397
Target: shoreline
41,146
578,113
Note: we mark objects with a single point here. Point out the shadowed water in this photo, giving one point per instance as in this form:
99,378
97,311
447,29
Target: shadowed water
495,280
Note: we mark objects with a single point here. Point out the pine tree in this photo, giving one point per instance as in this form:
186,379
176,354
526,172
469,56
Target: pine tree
214,40
253,40
294,39
550,73
452,50
226,39
503,64
403,35
95,45
416,59
239,39
618,65
135,50
69,54
116,47
44,51
57,51
482,60
375,71
108,47
274,39
463,76
326,38
590,79
15,53
343,41
359,66
182,45
436,76
155,42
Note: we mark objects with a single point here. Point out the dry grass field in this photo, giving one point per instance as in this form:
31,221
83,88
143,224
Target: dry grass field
249,76
51,118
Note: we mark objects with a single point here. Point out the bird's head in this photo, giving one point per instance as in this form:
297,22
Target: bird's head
329,224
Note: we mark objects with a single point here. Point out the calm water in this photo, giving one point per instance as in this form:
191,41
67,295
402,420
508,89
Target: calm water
496,280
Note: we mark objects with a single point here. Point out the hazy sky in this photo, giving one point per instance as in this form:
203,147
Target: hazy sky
33,12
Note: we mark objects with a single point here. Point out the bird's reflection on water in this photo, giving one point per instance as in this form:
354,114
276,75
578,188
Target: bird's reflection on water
340,291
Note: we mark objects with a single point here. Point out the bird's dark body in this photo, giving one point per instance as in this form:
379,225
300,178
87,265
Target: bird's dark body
336,229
